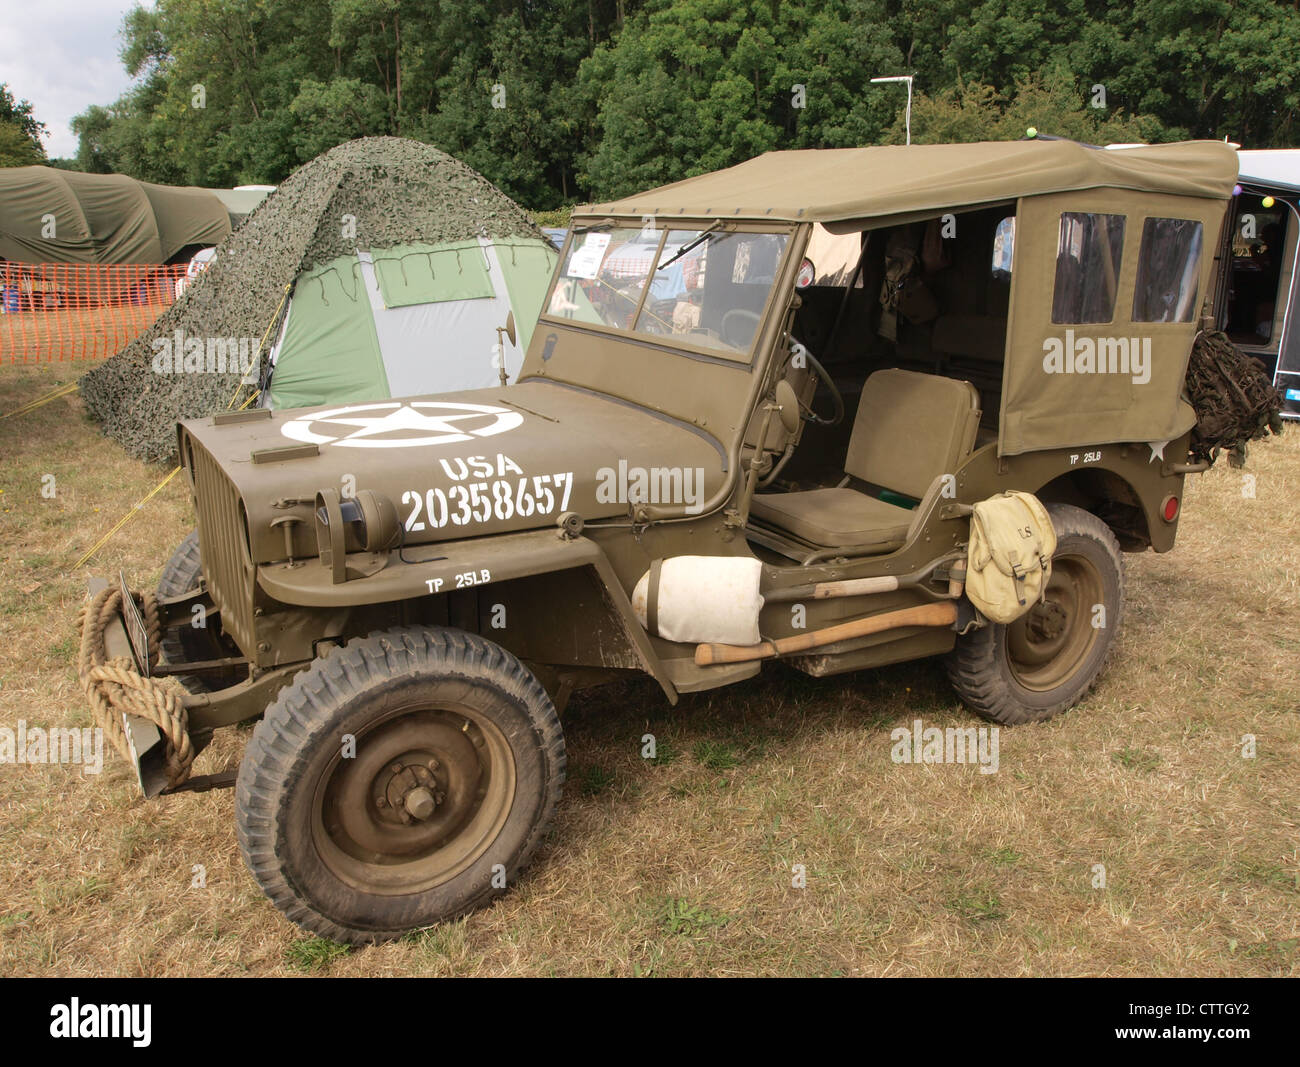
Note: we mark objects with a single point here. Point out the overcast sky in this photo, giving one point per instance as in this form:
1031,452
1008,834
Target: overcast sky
62,56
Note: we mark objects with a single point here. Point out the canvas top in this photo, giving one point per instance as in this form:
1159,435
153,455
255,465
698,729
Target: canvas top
841,185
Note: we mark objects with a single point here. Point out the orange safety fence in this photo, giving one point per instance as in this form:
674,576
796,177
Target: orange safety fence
58,311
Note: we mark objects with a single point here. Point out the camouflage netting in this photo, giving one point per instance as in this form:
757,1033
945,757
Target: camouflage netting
1234,400
398,191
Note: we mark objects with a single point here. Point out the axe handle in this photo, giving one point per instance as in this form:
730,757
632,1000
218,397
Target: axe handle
941,614
855,587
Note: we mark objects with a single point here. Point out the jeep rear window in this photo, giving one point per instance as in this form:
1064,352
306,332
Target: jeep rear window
1087,267
1169,268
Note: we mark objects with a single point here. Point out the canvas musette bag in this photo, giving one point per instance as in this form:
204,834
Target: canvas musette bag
1010,557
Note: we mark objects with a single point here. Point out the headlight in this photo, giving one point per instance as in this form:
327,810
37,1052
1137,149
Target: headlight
369,519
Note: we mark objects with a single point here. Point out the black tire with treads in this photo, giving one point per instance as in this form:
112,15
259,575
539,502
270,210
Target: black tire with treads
181,575
283,803
184,570
979,666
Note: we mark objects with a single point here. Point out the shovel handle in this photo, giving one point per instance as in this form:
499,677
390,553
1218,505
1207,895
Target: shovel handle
941,614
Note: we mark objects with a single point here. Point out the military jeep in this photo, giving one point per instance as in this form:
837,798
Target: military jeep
752,423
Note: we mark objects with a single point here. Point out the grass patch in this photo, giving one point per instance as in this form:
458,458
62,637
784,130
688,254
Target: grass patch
715,755
1136,759
312,955
1260,872
679,917
1288,949
979,904
1003,857
592,781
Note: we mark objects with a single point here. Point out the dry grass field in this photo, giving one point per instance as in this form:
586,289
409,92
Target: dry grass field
683,866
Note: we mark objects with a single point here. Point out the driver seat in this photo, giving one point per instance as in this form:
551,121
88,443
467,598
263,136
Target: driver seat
910,430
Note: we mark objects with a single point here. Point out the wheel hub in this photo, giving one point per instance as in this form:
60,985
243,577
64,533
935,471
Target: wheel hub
406,791
1046,621
420,803
1049,642
425,791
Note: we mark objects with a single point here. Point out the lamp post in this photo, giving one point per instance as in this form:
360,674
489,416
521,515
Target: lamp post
902,78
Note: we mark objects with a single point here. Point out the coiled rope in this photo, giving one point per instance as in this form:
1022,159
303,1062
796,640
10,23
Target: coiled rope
112,684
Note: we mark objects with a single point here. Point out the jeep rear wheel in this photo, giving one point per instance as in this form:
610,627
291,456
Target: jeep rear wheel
1048,659
399,781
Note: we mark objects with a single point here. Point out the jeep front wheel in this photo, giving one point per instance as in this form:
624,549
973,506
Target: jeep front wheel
399,781
1048,659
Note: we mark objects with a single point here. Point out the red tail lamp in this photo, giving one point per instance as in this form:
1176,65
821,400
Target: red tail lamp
1170,509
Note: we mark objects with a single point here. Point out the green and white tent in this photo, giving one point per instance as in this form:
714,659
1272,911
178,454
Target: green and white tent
381,268
412,318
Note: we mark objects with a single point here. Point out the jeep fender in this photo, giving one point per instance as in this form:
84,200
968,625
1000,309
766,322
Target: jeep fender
446,567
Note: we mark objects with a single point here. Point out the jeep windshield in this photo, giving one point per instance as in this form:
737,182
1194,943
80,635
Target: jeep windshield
702,288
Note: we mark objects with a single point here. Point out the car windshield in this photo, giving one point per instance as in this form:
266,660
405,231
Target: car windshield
702,287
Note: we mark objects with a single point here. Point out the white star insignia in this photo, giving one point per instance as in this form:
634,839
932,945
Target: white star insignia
405,418
396,425
1157,450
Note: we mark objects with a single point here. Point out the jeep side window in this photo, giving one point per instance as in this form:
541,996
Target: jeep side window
1168,274
1087,267
1004,243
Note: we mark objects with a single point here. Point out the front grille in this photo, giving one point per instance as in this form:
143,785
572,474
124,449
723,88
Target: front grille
223,543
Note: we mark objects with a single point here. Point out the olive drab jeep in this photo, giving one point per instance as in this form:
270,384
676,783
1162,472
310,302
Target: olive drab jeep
842,408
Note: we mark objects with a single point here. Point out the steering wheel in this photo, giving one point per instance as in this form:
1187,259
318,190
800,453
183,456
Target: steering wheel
729,326
837,401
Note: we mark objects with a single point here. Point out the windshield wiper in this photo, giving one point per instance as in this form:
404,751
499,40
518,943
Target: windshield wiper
690,246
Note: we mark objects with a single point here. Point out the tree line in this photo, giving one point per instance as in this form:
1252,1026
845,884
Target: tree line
572,100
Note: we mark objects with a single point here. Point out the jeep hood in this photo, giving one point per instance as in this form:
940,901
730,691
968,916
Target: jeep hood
454,465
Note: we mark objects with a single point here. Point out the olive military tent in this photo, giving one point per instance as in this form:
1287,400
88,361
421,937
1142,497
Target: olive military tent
59,216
